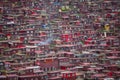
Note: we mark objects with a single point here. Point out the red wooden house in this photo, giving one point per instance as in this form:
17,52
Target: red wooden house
49,64
68,75
2,77
2,35
54,75
12,77
33,77
112,41
4,44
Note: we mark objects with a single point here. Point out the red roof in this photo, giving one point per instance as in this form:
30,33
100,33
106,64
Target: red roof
53,78
38,52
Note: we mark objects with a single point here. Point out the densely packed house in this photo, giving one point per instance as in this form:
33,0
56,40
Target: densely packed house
59,40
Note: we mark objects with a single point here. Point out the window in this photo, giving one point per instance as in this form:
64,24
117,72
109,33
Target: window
68,75
25,38
32,78
15,44
36,78
15,79
27,49
27,31
42,77
31,31
30,70
52,68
